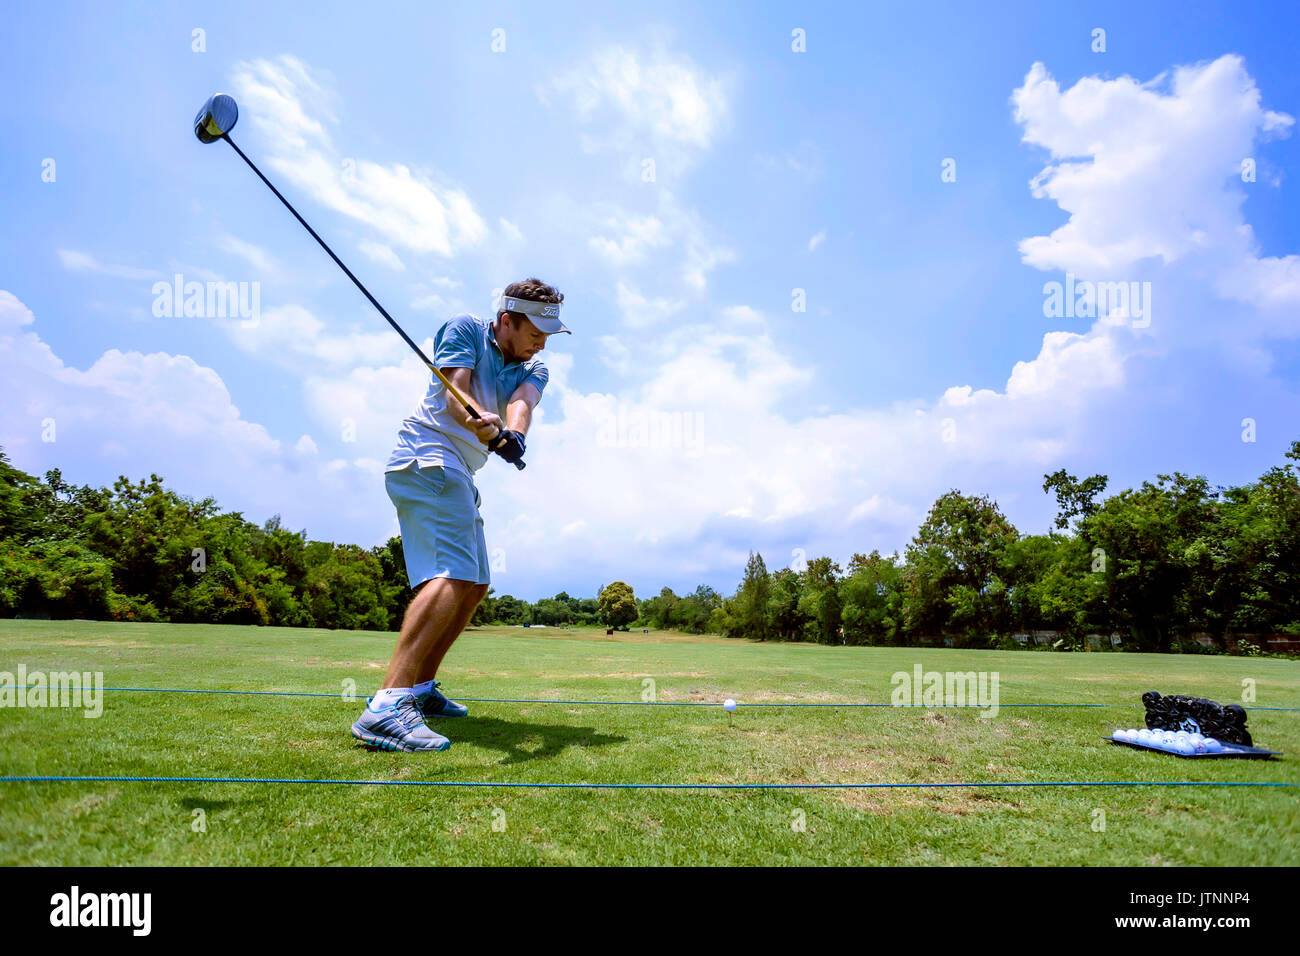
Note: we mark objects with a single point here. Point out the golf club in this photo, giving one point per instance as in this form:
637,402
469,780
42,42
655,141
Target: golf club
215,121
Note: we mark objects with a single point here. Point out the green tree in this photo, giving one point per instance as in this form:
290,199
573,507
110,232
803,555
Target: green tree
20,512
1074,498
551,612
819,601
345,587
58,578
752,599
871,596
693,612
617,605
658,610
785,618
511,610
954,563
1152,541
486,612
1265,530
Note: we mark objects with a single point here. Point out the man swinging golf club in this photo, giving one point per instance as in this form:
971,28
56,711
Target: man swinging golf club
430,474
430,480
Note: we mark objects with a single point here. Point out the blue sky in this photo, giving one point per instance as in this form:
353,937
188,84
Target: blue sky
441,169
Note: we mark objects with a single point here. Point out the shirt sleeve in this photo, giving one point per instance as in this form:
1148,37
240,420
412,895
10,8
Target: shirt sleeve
457,343
538,376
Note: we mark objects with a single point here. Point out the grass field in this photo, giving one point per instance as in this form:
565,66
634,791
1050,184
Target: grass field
157,734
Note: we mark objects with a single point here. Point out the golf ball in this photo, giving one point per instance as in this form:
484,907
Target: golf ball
1212,746
728,705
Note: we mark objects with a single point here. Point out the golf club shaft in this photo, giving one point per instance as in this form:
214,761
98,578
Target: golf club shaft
446,383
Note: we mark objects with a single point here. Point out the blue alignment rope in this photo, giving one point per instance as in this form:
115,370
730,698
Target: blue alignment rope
626,703
661,786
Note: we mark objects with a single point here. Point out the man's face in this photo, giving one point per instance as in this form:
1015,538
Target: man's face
519,339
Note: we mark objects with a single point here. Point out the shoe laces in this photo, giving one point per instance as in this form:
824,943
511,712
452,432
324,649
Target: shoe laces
409,713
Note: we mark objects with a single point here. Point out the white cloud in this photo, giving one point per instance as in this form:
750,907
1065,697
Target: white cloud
655,101
432,302
405,208
293,337
632,238
652,242
807,159
641,312
1151,171
373,400
816,241
614,353
384,255
253,254
132,413
743,315
75,261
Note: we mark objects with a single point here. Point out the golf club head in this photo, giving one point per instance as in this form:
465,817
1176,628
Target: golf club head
216,119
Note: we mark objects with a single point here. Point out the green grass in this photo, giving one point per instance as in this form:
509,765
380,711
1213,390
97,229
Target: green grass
148,734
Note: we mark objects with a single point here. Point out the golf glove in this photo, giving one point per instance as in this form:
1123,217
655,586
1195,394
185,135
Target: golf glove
510,446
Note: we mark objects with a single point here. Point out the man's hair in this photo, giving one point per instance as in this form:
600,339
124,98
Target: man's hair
534,289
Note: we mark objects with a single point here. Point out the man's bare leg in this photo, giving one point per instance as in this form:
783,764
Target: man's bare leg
470,601
432,614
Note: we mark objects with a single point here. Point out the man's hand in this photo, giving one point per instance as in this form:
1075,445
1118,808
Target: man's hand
510,446
486,428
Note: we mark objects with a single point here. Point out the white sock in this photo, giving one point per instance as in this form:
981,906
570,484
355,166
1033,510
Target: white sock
388,697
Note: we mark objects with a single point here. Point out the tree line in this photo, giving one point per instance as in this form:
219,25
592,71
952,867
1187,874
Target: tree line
1155,564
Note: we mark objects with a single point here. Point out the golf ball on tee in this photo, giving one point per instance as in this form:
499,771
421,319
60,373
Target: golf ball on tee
728,705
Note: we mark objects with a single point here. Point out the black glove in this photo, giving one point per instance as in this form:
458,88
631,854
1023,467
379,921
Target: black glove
510,446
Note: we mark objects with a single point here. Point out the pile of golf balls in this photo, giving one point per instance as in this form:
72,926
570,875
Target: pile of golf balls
1174,741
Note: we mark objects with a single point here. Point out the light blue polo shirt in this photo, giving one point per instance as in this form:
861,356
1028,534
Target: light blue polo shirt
431,436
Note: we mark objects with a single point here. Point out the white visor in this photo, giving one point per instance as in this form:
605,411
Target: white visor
544,315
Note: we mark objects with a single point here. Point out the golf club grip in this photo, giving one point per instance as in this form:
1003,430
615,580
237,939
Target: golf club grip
455,392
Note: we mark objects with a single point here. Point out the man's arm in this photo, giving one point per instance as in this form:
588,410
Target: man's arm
484,429
519,410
